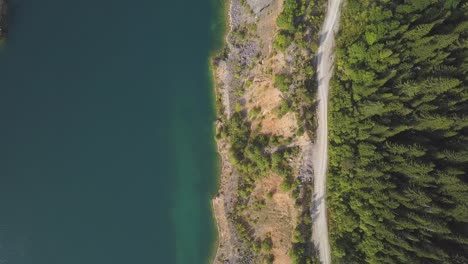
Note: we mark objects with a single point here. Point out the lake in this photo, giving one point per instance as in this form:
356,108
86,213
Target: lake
106,138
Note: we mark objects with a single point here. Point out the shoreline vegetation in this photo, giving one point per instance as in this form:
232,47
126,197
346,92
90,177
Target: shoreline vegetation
219,26
265,88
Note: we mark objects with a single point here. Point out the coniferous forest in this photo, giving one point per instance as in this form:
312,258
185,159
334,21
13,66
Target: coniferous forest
397,181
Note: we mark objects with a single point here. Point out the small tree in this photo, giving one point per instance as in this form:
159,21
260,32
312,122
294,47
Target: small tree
282,82
267,244
282,41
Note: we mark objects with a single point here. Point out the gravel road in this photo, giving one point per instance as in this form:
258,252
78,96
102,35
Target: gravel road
325,58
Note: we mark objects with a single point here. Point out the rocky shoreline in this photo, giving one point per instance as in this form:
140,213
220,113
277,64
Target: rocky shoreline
3,18
257,216
232,69
230,248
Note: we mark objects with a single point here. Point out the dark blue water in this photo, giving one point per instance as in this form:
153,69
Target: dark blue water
106,150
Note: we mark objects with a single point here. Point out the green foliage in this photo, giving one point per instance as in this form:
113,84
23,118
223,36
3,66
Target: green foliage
256,111
292,21
302,250
267,244
259,204
269,259
254,155
285,20
256,246
282,82
283,108
287,184
270,195
282,41
397,180
249,156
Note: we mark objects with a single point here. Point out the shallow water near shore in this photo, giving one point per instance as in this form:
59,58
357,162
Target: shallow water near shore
106,143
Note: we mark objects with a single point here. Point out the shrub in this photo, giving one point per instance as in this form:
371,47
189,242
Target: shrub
282,41
267,244
282,82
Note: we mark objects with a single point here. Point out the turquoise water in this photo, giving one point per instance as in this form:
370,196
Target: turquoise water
106,139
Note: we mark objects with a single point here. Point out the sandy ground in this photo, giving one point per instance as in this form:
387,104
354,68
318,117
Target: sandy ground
324,70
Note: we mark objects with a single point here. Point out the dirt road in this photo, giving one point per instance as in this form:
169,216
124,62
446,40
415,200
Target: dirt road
325,58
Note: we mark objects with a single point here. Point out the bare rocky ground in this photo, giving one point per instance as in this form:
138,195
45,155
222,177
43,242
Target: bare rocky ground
250,62
244,78
251,59
230,248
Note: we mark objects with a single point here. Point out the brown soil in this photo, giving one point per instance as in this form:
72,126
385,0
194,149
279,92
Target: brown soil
276,219
284,126
263,93
266,26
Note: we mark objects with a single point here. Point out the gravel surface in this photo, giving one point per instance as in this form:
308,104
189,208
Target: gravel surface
324,73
